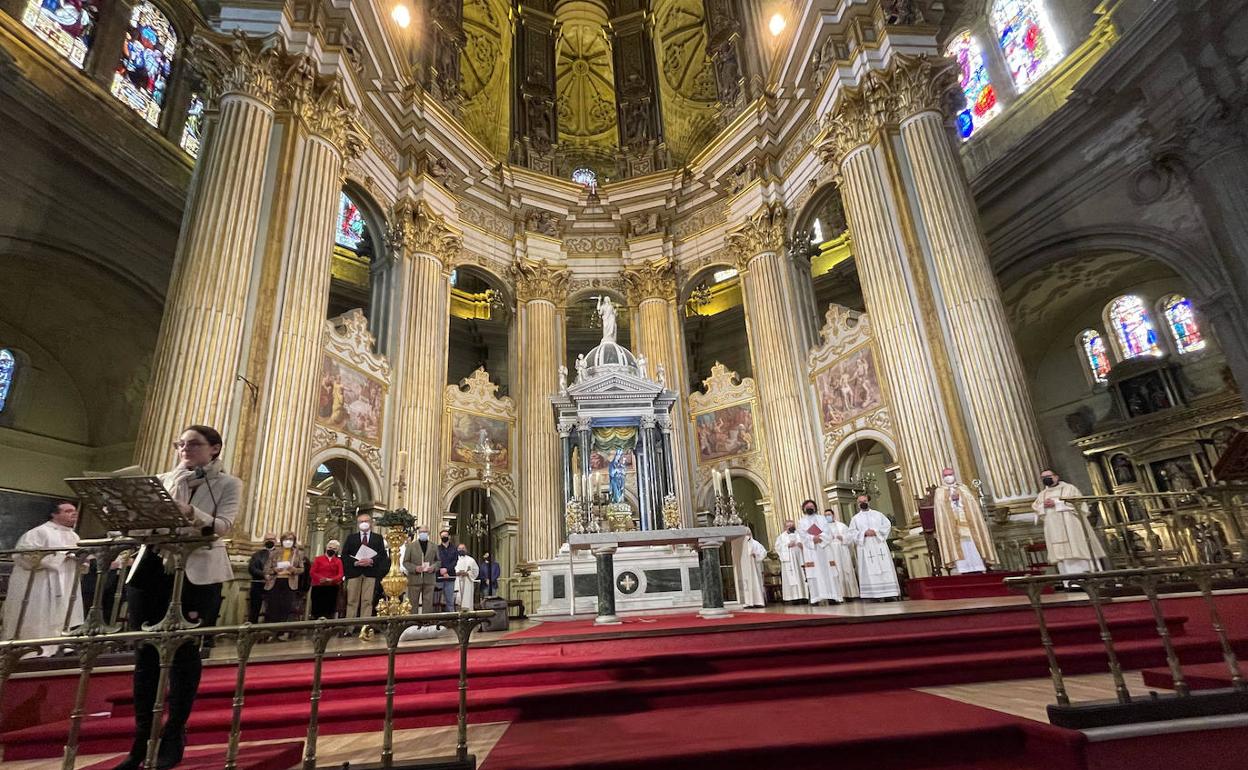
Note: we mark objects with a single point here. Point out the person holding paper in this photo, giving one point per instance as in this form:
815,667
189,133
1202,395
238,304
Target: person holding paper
326,577
448,557
788,547
281,579
823,579
420,563
43,585
364,562
209,499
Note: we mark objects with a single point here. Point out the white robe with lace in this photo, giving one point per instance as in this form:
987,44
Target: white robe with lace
466,574
877,577
823,577
841,540
751,566
789,548
53,582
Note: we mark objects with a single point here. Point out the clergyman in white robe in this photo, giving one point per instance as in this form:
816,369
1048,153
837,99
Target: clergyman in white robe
841,539
1068,537
53,582
751,566
823,577
788,547
877,578
466,573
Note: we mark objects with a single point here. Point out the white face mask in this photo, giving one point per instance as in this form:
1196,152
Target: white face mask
423,537
288,543
948,479
364,525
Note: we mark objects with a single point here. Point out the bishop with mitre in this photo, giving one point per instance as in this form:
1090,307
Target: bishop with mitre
965,544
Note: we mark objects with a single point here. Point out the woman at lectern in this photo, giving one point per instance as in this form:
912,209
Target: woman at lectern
209,498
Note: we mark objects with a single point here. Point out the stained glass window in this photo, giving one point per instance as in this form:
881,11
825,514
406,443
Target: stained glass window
67,25
142,75
1093,345
981,97
8,363
193,129
1129,319
350,232
1026,38
585,177
1183,326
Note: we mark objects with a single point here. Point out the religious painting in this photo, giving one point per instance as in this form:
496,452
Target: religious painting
1177,474
1144,394
350,401
465,435
848,388
613,461
726,432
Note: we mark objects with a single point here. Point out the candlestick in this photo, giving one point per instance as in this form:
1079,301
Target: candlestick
728,481
715,480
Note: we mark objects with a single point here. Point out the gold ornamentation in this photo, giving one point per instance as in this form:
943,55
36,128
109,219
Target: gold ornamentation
539,280
920,84
415,228
395,582
654,280
671,513
762,233
327,113
238,64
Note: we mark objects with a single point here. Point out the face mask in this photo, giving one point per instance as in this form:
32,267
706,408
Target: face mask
463,553
288,543
791,530
364,525
423,537
1049,481
948,479
810,511
864,506
446,539
331,553
269,544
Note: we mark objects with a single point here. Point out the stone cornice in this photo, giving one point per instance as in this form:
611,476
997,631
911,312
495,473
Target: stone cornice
763,232
415,228
654,280
539,280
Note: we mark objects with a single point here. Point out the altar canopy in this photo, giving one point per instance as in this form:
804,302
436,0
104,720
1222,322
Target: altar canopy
615,425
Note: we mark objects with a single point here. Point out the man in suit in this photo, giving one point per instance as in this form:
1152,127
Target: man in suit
362,574
448,557
420,564
490,573
255,567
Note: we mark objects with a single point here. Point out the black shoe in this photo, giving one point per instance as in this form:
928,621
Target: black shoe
172,744
138,752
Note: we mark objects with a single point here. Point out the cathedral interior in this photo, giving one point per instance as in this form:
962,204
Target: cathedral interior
861,240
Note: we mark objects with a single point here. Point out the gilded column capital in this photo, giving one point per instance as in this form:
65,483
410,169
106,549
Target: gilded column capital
325,111
920,83
653,280
763,232
415,228
239,64
854,121
539,280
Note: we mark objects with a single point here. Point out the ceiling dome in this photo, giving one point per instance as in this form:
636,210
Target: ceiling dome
610,357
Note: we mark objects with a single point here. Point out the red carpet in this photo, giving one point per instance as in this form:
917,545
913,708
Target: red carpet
962,586
1202,676
604,677
276,756
643,624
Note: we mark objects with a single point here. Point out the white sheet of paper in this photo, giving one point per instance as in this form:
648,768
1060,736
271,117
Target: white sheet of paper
364,553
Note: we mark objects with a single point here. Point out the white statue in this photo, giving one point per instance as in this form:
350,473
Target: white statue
641,367
582,367
661,374
563,380
606,311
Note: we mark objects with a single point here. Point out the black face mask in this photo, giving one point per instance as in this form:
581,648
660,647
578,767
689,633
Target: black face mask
810,511
331,553
269,543
1048,481
791,530
446,540
864,506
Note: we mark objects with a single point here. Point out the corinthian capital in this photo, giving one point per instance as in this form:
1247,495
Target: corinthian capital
920,84
654,280
853,123
536,280
415,228
238,64
326,113
763,232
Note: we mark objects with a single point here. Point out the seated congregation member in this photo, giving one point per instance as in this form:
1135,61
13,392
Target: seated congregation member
209,498
281,580
326,582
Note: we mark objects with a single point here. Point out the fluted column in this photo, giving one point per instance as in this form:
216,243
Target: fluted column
992,381
779,361
283,442
652,289
207,300
426,246
541,290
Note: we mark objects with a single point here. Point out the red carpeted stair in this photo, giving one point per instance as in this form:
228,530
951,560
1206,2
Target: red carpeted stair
598,677
1202,676
975,586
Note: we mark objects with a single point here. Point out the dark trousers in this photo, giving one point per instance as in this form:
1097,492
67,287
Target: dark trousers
280,603
324,602
148,600
255,598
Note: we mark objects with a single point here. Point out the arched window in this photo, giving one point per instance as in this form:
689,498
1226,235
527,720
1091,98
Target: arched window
142,76
350,231
1094,352
981,97
193,129
1027,39
1133,328
67,25
1182,323
8,367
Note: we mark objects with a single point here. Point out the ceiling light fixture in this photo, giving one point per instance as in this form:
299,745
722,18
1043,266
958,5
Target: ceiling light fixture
776,24
401,15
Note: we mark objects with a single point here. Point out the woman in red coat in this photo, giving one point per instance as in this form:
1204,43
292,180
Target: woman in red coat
326,580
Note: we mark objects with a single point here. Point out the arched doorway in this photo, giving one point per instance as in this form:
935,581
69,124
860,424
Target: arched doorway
339,490
867,466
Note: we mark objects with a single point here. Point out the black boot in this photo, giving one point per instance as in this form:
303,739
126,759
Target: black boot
138,752
172,745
